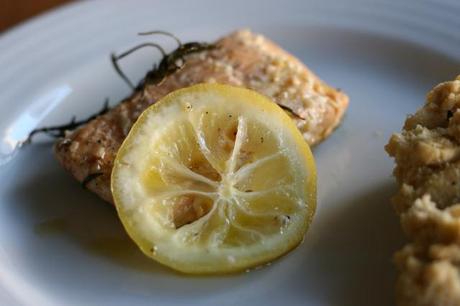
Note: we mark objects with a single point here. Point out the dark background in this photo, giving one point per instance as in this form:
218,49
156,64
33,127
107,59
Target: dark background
13,12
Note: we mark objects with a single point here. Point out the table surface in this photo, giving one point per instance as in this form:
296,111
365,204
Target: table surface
13,12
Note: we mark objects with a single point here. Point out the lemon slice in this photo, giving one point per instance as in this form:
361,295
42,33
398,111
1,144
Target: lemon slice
214,179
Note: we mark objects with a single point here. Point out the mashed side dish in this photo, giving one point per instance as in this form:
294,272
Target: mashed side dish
427,155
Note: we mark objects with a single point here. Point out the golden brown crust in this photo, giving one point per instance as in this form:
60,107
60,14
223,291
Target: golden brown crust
241,59
429,275
427,155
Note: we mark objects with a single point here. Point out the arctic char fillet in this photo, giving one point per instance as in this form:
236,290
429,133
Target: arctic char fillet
240,59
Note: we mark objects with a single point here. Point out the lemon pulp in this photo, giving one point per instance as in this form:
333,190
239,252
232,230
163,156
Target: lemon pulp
214,179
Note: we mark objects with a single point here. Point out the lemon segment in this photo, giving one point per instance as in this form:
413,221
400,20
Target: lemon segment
214,179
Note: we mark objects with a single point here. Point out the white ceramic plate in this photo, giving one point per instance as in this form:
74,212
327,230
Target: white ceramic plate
60,245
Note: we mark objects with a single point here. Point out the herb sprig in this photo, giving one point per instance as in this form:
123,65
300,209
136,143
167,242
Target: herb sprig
59,131
170,63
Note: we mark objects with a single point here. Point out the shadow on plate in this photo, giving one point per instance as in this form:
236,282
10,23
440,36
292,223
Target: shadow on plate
68,211
356,243
59,212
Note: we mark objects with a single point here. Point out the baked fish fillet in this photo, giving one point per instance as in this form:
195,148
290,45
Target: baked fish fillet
427,155
241,59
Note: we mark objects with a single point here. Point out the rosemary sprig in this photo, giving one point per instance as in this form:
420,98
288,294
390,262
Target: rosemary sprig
179,43
116,58
58,131
174,62
169,63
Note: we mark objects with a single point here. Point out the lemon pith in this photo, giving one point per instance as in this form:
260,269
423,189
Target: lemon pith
214,179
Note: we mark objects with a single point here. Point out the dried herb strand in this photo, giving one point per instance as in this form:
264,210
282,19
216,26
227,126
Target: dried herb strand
116,58
179,43
169,63
173,62
290,111
59,131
